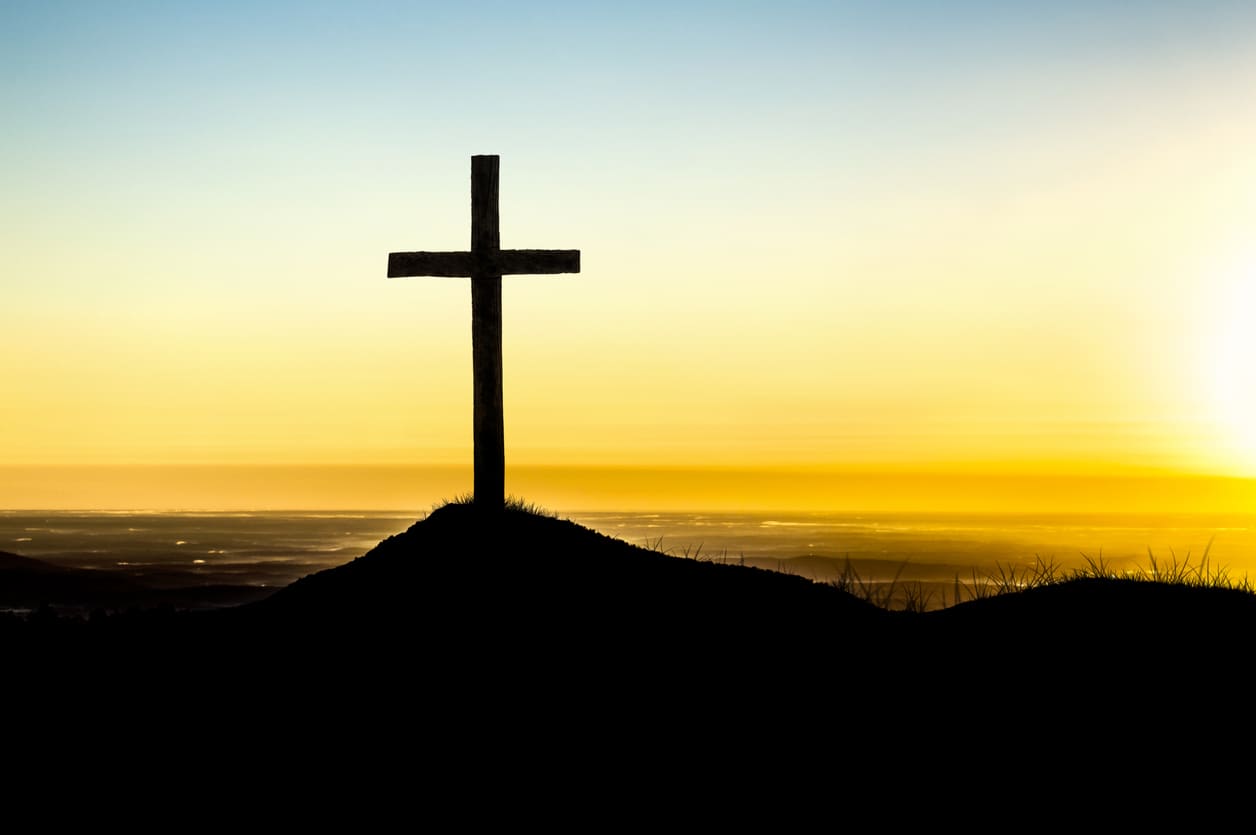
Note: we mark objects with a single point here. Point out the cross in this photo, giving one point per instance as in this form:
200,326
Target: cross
485,265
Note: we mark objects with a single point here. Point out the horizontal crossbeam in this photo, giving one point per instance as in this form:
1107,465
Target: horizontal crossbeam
465,264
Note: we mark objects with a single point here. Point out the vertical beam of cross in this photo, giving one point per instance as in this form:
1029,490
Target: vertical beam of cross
488,419
485,264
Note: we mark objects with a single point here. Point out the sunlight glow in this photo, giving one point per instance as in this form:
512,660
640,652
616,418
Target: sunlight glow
834,255
1232,367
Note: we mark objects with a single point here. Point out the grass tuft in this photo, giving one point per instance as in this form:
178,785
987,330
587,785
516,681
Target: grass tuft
879,594
524,506
513,503
1009,578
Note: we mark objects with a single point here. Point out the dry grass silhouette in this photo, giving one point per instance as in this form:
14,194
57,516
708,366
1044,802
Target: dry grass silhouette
896,594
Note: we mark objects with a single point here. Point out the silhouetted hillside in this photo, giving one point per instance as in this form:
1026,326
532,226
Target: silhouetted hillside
529,568
519,630
466,594
462,583
27,583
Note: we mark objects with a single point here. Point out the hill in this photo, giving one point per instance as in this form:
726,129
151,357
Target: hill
529,663
27,583
474,625
460,565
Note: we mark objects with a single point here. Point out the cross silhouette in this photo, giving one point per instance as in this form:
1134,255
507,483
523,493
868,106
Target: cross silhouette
485,265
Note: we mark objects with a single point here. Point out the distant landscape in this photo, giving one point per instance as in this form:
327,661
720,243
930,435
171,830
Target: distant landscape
525,567
211,559
516,631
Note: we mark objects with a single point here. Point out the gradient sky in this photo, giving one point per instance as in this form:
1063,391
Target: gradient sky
817,237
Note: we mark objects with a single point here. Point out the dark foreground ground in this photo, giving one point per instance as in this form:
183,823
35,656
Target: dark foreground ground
518,633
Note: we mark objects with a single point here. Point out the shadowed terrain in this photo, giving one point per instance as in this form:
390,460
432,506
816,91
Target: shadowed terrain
471,624
27,583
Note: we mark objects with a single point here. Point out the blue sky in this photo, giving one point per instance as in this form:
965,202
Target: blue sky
976,223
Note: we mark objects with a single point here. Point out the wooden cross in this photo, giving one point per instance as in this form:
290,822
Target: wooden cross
485,265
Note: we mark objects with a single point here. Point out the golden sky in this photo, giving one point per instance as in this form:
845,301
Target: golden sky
821,244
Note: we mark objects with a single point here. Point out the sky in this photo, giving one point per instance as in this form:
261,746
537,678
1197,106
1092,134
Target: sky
846,256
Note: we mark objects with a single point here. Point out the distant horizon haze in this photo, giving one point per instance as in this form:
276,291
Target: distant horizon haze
640,489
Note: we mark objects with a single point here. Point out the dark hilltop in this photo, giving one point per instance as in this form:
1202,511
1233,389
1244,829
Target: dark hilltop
474,622
464,582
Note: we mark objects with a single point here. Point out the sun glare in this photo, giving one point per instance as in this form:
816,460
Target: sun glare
1231,369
